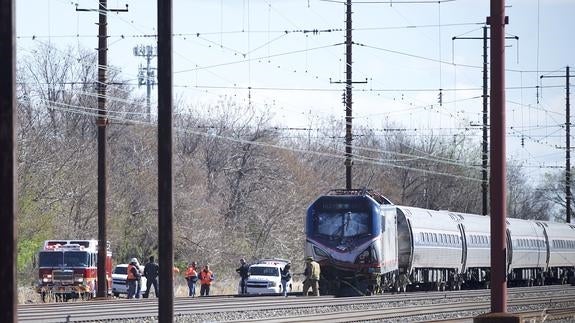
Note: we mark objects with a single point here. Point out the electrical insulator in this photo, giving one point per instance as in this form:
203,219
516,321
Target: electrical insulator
440,98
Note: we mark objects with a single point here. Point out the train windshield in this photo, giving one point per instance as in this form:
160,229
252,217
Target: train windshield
337,225
64,259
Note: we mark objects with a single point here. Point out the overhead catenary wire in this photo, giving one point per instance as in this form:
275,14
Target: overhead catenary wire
239,140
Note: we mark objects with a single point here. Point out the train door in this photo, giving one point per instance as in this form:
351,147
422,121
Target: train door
547,244
389,245
404,240
509,250
463,247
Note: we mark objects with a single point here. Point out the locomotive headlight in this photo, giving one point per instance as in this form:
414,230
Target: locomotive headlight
366,257
320,252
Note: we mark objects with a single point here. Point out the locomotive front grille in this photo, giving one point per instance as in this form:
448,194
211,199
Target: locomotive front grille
63,277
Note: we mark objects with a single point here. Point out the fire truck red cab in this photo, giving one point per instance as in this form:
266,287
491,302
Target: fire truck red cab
69,269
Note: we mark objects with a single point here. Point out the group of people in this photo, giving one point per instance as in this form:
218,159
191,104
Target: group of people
206,277
151,271
134,278
312,273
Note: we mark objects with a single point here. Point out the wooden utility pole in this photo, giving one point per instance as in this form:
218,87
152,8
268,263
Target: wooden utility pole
8,165
102,122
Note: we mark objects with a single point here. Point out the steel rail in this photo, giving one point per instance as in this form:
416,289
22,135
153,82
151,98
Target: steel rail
114,309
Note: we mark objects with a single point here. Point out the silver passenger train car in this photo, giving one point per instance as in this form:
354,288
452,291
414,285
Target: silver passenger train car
367,245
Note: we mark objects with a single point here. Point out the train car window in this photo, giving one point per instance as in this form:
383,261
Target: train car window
434,237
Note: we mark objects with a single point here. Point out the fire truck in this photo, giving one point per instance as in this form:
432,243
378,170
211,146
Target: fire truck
69,269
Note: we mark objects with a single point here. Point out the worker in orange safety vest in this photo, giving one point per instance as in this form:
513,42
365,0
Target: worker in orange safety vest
192,278
133,278
206,278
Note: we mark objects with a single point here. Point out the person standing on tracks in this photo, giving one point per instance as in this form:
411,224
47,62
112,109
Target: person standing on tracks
133,278
206,278
192,278
151,271
312,273
244,272
286,277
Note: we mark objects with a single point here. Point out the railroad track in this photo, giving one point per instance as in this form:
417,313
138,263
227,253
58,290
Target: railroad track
291,309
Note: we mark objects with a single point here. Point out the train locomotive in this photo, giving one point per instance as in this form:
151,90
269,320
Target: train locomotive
367,245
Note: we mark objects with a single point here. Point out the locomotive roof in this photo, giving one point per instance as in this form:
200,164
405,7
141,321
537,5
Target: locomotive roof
371,193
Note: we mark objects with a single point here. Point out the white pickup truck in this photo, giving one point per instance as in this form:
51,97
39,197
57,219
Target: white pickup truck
265,277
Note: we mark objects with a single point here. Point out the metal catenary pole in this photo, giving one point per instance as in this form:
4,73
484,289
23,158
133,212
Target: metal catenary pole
8,177
498,200
485,126
146,75
348,100
165,225
568,147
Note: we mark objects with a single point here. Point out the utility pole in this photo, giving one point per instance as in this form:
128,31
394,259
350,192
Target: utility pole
8,163
348,98
146,75
485,144
567,144
101,123
165,205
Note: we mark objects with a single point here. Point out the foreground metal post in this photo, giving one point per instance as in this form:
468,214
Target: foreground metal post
8,178
165,226
498,173
497,196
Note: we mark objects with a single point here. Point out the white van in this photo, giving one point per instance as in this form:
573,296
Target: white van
265,277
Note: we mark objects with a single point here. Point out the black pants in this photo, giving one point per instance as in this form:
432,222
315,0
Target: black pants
149,283
205,290
243,285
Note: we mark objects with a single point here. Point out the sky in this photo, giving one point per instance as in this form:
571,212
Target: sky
287,56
